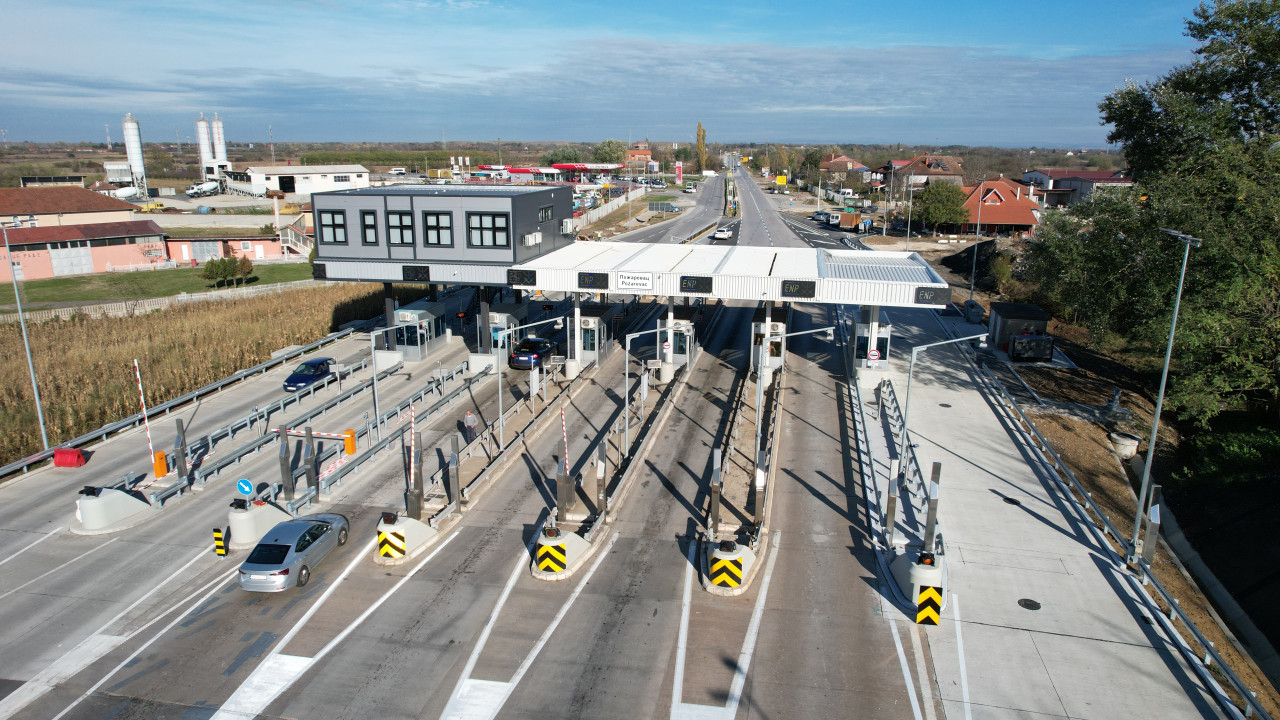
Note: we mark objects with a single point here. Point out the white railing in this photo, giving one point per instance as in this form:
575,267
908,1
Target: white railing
595,214
142,267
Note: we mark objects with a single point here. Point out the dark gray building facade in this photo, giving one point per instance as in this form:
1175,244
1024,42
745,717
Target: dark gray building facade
437,233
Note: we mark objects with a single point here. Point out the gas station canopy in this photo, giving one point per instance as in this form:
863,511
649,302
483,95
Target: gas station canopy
861,277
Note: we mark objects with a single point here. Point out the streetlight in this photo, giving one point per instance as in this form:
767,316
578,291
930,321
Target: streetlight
911,195
906,404
764,350
497,362
888,198
1188,243
17,222
626,375
977,238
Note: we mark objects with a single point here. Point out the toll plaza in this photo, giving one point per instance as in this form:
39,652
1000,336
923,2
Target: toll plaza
503,317
421,327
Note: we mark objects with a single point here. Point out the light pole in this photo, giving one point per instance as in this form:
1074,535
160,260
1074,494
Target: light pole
626,375
1188,243
906,404
911,200
497,363
16,222
977,238
829,330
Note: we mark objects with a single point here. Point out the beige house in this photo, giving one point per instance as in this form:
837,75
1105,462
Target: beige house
59,206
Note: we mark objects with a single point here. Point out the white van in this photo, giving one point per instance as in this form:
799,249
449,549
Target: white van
396,171
846,193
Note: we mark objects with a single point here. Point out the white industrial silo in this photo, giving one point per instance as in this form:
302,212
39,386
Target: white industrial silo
133,150
219,141
206,147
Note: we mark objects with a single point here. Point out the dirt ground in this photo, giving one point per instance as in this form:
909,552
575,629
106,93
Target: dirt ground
1085,447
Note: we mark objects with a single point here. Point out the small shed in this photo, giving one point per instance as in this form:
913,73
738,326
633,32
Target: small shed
1008,319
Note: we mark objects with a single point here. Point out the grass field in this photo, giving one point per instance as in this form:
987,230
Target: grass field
107,287
177,233
85,366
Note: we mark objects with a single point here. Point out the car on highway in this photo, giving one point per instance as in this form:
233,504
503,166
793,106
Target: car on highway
308,373
723,233
531,352
691,190
285,556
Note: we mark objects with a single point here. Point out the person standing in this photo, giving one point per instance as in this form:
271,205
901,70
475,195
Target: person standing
469,424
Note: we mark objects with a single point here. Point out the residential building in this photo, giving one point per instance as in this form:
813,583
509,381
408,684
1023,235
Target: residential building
1067,187
639,153
1080,188
63,205
465,234
838,168
296,179
1008,207
925,169
55,251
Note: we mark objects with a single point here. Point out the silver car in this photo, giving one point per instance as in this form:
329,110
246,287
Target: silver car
285,555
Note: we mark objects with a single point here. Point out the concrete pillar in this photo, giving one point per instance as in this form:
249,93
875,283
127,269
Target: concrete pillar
180,451
286,471
389,303
482,320
931,516
602,478
309,460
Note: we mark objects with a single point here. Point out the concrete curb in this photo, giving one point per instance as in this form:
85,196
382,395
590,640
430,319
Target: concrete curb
761,550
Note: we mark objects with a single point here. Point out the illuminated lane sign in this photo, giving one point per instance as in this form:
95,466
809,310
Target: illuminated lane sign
416,273
593,281
933,295
528,278
799,289
695,284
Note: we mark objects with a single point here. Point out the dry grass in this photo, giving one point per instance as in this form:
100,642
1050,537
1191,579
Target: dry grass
85,367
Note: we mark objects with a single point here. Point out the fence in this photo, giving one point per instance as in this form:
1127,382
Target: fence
595,214
130,308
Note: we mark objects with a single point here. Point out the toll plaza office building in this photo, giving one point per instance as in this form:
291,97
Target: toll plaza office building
437,234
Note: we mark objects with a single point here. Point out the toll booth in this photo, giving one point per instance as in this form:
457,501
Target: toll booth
597,331
871,322
502,317
429,329
685,346
768,321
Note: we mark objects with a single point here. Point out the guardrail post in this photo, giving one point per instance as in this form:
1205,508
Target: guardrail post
602,475
180,451
931,517
714,524
309,460
890,519
451,480
564,496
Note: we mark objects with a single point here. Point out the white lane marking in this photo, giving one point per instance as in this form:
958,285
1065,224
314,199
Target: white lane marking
85,652
37,542
677,684
484,699
209,589
277,672
964,676
926,692
906,673
47,574
690,711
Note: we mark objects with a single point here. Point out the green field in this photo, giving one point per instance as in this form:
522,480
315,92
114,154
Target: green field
107,287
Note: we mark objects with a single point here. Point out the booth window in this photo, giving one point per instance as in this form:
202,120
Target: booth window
369,226
437,228
487,230
341,178
333,226
399,228
544,214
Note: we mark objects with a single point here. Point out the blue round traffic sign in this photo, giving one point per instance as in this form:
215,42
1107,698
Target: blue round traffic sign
244,486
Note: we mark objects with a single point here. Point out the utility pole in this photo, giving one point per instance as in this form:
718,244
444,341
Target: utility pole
271,140
108,127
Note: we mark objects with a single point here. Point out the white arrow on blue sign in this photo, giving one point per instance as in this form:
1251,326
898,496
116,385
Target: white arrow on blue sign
244,486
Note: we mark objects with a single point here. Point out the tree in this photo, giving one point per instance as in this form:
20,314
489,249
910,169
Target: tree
244,267
609,151
700,152
566,154
941,203
684,153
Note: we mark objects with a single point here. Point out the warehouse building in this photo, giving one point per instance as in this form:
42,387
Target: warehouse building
296,179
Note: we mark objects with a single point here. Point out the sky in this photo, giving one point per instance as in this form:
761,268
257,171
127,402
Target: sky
938,72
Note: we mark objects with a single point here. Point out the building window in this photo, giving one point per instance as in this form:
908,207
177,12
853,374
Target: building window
246,245
437,228
333,226
341,178
399,228
544,214
369,226
487,230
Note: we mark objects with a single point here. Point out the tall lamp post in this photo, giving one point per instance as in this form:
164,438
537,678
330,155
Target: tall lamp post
888,198
1188,243
497,363
911,201
906,404
977,238
17,222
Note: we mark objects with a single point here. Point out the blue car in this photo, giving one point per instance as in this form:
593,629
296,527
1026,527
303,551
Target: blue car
308,373
531,352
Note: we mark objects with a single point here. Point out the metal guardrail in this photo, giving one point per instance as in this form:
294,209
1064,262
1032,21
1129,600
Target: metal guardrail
132,421
866,460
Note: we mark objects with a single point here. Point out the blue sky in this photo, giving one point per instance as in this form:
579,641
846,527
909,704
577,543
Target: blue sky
911,71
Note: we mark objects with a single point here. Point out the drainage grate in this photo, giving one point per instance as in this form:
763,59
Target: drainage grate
1013,501
1029,604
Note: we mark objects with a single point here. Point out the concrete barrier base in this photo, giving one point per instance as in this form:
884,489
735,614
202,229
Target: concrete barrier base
571,368
729,567
249,525
109,511
402,541
477,362
558,554
909,577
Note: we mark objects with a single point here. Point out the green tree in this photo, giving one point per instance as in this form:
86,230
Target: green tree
700,152
244,267
566,154
941,203
684,153
159,163
609,151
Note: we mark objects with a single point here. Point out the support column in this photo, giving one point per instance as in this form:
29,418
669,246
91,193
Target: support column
482,321
389,303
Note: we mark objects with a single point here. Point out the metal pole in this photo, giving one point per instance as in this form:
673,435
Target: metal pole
911,200
373,359
497,363
626,399
906,405
977,238
26,344
1188,241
